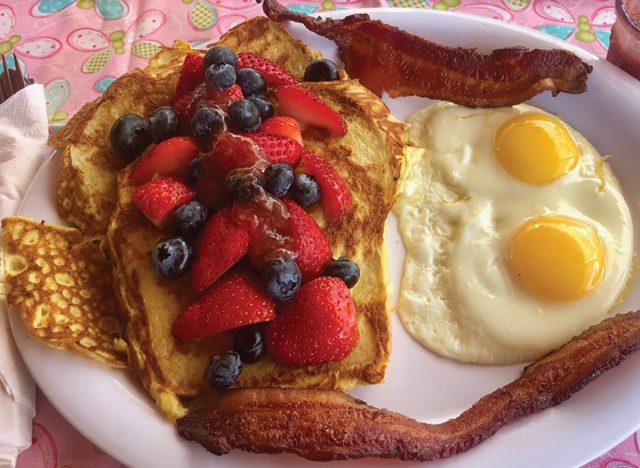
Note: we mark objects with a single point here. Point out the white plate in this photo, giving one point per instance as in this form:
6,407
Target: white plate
113,411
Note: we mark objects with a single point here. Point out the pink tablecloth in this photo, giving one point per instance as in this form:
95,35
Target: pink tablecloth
78,47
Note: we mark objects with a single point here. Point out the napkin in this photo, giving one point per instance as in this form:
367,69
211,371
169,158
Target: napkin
23,141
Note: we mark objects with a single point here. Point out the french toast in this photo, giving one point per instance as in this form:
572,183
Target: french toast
94,187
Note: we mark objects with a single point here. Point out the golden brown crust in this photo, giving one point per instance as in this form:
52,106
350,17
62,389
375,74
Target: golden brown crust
403,64
60,282
329,425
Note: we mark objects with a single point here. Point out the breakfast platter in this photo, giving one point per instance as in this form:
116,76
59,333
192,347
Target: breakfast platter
112,409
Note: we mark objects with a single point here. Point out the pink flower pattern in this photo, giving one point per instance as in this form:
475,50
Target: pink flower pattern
87,43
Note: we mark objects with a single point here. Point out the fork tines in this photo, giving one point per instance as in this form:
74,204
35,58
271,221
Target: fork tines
11,81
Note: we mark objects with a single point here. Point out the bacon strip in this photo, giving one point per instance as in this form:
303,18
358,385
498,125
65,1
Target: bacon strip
329,425
385,58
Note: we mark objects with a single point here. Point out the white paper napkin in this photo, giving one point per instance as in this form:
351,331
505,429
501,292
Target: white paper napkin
23,141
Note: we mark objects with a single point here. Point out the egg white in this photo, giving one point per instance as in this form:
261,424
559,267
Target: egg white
457,212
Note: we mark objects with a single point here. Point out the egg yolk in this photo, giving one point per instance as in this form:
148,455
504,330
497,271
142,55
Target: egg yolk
535,148
556,258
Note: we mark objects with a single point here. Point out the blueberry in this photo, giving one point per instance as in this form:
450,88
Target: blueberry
278,179
171,258
251,82
224,370
163,124
194,171
219,55
321,70
345,269
243,187
245,115
264,106
129,136
206,124
248,342
220,75
305,190
190,217
282,280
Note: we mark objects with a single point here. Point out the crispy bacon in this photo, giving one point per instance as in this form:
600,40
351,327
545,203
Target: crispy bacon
385,58
329,425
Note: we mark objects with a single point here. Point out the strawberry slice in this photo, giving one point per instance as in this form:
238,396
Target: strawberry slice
309,242
159,198
170,157
234,92
335,196
306,106
278,148
273,74
220,246
318,326
283,126
191,75
233,302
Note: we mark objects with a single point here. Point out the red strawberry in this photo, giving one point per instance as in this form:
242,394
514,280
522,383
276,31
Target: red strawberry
278,148
220,246
157,199
309,242
191,75
306,106
334,194
233,302
235,151
169,157
273,74
319,325
283,126
235,93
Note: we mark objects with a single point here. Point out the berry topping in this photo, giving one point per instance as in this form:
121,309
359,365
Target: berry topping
129,137
264,106
243,187
321,70
244,115
345,269
248,342
171,258
318,326
309,242
221,244
171,157
305,105
278,148
158,198
191,75
194,171
220,55
273,74
282,280
334,194
234,301
305,190
207,123
278,179
235,93
224,370
163,124
190,217
251,82
186,105
283,126
220,75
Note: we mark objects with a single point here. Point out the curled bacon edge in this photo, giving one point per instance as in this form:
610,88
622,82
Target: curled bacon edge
330,425
385,58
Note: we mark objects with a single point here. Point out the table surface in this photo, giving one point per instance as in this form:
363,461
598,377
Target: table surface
77,48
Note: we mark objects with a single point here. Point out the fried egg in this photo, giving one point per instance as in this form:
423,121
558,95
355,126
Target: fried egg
516,231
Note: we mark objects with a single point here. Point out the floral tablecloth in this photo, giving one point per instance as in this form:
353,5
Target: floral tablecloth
76,48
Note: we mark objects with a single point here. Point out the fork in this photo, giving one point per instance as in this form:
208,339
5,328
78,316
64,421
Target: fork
11,81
